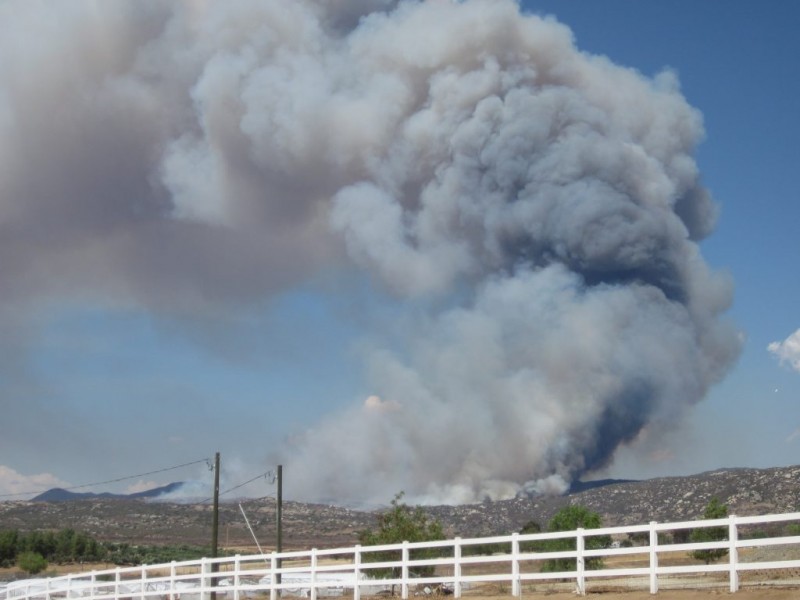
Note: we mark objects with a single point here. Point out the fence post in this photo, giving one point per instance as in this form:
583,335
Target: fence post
733,553
117,578
237,577
313,574
47,588
457,567
204,583
404,572
516,588
357,572
94,584
143,581
173,572
653,558
273,565
580,547
69,585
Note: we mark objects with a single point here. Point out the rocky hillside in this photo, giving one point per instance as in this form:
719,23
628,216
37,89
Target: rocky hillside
745,491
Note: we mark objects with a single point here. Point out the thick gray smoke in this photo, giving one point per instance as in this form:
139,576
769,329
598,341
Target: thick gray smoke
538,210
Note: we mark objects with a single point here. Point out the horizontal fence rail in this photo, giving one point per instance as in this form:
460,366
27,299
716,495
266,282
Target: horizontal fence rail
450,566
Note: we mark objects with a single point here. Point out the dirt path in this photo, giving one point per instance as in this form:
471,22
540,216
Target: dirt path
748,594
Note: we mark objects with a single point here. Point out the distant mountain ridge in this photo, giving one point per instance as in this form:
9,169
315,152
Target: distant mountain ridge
576,487
62,495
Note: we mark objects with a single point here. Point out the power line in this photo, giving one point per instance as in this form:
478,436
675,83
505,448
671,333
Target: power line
236,487
85,485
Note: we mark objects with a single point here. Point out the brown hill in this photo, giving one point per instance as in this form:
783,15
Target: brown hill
745,491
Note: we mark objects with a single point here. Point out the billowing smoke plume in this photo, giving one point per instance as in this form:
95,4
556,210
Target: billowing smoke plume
537,208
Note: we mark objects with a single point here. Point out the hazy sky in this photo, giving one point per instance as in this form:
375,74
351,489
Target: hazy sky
380,254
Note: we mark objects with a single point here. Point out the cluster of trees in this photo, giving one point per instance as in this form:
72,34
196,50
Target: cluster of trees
402,523
36,548
32,552
127,554
572,517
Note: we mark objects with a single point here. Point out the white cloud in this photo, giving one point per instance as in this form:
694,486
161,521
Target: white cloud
788,351
14,483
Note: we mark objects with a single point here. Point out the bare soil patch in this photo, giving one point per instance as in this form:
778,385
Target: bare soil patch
748,594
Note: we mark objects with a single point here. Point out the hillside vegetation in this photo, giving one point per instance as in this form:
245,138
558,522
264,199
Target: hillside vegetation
137,522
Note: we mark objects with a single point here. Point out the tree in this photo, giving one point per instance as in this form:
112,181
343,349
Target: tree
64,546
714,510
41,542
681,536
399,524
8,547
31,562
571,518
530,527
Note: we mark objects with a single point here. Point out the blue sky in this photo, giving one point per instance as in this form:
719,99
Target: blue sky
99,386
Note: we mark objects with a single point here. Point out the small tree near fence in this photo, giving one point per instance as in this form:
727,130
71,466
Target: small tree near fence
31,562
571,518
400,524
714,510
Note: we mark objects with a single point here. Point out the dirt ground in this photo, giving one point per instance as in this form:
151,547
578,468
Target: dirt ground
747,594
784,585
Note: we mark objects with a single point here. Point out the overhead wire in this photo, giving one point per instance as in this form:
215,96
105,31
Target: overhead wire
236,487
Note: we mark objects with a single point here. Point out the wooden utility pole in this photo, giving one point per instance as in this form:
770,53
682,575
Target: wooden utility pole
278,511
215,524
279,541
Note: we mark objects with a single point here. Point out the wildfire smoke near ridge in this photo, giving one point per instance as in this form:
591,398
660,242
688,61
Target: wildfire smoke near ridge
534,211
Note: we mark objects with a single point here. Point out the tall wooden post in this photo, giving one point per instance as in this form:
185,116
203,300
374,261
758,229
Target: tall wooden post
278,511
215,524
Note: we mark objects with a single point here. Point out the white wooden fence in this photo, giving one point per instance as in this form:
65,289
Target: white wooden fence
346,571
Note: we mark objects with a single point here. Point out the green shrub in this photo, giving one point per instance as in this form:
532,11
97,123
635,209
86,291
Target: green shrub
571,518
402,524
31,562
714,510
530,527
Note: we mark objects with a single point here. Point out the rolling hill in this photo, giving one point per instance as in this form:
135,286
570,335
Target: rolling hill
142,520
